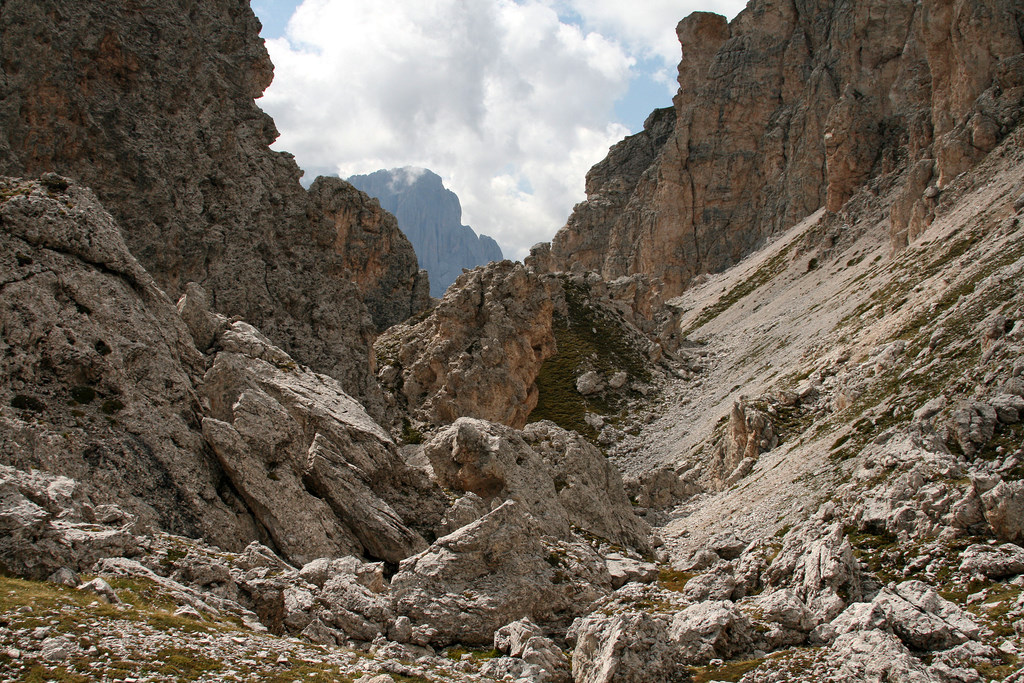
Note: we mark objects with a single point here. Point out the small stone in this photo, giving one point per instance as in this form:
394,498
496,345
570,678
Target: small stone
65,577
102,589
57,649
589,383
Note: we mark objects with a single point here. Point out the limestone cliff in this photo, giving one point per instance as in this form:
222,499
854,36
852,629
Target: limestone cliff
479,351
431,217
151,105
796,106
99,372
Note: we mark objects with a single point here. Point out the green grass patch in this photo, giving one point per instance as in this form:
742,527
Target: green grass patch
729,671
588,338
673,580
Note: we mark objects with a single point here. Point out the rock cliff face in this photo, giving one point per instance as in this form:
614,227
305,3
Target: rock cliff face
793,107
98,377
150,104
479,351
431,217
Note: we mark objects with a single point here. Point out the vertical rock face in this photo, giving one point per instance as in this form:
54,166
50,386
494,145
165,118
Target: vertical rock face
151,105
98,371
792,107
431,217
378,255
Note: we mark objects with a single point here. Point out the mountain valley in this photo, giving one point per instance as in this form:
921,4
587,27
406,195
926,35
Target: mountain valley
755,414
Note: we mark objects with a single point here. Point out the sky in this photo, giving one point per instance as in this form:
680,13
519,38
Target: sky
509,101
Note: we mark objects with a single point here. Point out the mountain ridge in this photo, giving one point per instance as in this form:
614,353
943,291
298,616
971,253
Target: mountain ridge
430,215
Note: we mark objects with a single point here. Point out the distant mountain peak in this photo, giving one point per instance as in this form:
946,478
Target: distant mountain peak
430,215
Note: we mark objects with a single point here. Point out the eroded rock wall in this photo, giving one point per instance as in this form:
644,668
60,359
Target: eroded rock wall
151,105
795,106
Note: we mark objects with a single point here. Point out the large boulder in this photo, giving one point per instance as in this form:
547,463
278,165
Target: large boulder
499,569
320,475
98,372
561,479
1004,510
634,646
818,564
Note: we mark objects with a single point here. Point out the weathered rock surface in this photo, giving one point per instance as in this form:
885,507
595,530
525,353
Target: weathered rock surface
1001,562
610,185
161,124
321,477
98,371
479,351
49,526
638,646
378,256
431,217
1004,510
748,433
819,565
561,479
790,108
472,582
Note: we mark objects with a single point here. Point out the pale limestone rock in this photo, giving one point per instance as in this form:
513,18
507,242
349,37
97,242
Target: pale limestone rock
560,478
973,425
525,640
479,351
204,324
470,583
466,510
784,608
625,648
748,434
708,630
103,367
280,431
875,656
1004,510
625,569
818,564
718,583
996,563
589,487
590,383
58,649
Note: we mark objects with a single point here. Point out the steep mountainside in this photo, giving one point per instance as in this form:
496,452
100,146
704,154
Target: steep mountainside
150,104
793,107
431,217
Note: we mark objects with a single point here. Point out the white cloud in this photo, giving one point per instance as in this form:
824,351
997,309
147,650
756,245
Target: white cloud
650,31
507,103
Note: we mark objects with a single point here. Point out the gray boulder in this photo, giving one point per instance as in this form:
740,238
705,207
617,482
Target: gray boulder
472,582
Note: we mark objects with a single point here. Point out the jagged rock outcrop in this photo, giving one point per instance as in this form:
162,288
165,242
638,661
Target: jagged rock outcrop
321,477
98,375
793,107
479,351
562,480
496,570
431,217
378,256
151,106
609,186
